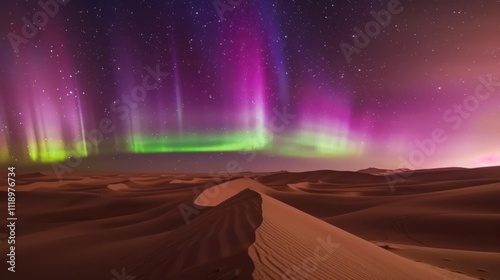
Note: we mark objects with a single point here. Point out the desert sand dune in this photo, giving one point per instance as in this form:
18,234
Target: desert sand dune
478,264
191,181
213,196
435,223
456,211
289,241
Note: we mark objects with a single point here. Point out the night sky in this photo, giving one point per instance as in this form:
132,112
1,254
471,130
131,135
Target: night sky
269,84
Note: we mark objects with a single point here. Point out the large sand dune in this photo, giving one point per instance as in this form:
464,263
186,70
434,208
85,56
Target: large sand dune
435,224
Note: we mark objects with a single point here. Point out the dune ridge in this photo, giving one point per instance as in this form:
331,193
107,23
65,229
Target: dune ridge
288,243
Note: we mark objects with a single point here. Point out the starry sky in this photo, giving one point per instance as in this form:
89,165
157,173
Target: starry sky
267,84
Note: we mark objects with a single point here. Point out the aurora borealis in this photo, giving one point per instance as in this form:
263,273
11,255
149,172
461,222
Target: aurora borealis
172,81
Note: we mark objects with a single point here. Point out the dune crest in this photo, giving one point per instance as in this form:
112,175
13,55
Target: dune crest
291,244
215,195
